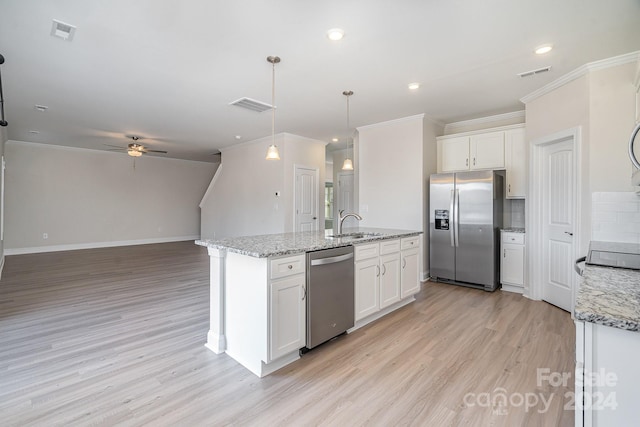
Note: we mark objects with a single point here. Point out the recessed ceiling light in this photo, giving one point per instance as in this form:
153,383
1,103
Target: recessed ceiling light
238,136
545,48
334,139
41,108
414,86
335,34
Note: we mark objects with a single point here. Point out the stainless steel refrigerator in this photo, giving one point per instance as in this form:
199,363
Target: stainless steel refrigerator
464,228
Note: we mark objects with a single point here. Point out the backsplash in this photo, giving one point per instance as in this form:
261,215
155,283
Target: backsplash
615,217
514,213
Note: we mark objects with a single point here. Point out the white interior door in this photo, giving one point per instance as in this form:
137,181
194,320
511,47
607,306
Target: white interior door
306,199
345,198
558,217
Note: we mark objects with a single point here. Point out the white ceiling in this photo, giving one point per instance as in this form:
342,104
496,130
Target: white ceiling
167,70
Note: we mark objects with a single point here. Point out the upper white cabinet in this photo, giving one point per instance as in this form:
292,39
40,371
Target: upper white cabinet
490,149
475,152
487,151
515,151
455,154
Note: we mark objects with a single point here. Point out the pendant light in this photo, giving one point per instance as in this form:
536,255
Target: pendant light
272,151
348,163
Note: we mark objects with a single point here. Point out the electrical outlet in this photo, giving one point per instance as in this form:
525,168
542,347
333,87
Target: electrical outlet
45,236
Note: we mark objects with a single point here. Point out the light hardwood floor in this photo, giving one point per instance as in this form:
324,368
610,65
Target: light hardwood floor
116,336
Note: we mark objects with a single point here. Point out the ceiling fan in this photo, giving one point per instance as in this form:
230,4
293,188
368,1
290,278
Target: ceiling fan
134,149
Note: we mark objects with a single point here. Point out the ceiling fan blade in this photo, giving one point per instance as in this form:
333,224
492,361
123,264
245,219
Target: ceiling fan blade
155,151
116,149
116,146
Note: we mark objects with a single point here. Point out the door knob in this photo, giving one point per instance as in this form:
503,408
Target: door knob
570,234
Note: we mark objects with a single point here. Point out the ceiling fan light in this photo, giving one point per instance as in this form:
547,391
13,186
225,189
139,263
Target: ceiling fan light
273,153
134,153
347,165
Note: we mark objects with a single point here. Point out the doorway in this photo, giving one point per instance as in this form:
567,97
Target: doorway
306,199
554,228
345,198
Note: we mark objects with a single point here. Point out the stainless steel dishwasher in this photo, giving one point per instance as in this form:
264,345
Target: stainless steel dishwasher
330,294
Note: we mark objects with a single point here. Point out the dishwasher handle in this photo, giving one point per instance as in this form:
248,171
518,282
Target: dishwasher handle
331,260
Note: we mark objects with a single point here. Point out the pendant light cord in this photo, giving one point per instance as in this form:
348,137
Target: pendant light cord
273,103
3,122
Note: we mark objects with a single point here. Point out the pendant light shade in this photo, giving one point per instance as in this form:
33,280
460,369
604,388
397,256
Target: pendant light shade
272,151
347,165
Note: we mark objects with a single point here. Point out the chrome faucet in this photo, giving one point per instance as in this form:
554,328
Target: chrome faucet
345,216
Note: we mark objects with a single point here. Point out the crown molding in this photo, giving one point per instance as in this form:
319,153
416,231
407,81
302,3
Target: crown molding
456,126
582,71
393,122
94,150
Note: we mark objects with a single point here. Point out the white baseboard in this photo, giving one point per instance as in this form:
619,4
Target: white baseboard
94,245
424,276
1,265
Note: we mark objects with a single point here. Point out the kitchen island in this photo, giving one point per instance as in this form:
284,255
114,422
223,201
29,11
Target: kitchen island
607,317
258,289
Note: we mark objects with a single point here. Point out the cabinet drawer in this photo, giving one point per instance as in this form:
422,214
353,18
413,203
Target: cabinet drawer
410,242
366,251
287,266
515,238
389,246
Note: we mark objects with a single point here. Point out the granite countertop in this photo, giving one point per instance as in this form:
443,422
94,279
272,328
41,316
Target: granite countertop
609,297
267,245
513,230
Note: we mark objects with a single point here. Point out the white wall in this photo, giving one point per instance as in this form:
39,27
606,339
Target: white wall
88,198
602,104
565,108
243,200
3,140
394,161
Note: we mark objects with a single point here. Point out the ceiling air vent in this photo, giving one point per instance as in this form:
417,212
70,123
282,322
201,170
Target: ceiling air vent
534,72
62,30
251,104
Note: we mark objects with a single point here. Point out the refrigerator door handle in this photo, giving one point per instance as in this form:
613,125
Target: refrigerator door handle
452,219
456,216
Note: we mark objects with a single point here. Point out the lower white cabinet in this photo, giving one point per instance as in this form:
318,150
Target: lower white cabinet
606,376
287,311
264,310
410,266
385,273
367,287
512,259
389,279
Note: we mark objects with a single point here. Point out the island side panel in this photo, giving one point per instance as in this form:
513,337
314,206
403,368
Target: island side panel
216,341
246,295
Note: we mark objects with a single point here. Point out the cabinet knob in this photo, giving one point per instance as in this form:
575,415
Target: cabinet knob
290,267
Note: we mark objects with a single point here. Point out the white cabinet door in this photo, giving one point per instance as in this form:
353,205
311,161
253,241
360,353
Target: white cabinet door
367,280
512,264
287,317
409,278
487,151
455,154
389,279
516,163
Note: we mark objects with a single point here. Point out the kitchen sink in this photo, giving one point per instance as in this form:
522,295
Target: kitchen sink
356,235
